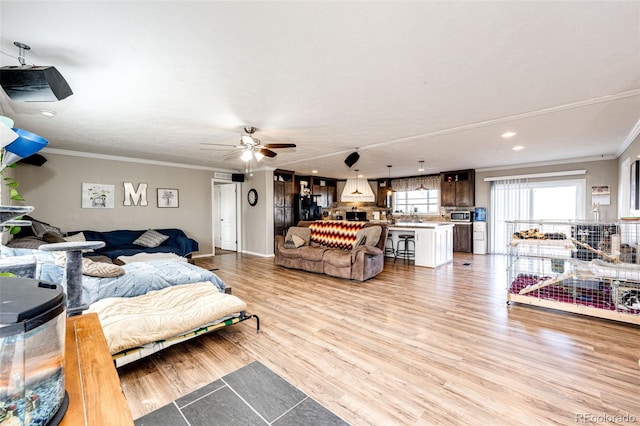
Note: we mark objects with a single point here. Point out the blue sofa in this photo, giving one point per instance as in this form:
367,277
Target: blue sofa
120,243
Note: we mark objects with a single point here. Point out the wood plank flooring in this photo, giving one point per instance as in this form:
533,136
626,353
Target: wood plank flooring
412,346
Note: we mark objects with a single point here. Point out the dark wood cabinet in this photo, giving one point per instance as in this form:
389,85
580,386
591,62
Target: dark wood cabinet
383,199
283,195
463,237
327,191
457,189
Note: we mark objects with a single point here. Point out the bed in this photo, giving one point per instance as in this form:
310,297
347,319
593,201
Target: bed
134,327
151,306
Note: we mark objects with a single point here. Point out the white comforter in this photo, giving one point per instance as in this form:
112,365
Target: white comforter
129,322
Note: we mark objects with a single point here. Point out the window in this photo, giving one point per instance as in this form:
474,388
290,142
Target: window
522,200
418,201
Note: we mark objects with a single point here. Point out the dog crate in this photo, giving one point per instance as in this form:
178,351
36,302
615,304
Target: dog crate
589,268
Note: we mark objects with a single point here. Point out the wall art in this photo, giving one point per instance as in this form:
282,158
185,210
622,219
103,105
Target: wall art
167,197
97,196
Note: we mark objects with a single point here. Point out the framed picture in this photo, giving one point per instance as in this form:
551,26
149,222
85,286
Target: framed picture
167,197
97,196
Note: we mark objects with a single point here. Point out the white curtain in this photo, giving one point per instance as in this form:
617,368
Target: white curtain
413,183
510,200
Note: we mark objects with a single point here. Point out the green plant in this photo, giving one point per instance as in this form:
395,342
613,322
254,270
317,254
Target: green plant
14,195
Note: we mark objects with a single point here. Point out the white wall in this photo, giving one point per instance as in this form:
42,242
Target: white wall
257,228
55,191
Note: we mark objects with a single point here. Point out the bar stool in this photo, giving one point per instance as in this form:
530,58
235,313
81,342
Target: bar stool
408,251
388,246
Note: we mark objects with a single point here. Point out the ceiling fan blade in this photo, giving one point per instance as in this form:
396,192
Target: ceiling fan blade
280,145
232,155
268,153
218,144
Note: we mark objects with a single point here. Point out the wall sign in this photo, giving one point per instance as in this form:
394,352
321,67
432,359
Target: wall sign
135,196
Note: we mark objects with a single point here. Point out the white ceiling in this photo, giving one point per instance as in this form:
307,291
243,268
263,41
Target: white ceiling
403,81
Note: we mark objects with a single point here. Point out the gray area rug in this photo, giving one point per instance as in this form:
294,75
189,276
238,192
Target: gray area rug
251,395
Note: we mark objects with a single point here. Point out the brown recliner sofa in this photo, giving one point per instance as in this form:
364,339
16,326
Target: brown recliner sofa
361,263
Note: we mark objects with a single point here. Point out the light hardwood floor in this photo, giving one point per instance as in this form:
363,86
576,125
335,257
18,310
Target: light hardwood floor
412,346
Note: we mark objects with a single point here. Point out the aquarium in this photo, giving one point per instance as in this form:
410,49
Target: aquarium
32,337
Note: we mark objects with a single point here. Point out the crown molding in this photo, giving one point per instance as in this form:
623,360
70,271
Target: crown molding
133,160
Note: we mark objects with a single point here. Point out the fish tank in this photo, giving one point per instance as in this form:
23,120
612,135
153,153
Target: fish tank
32,353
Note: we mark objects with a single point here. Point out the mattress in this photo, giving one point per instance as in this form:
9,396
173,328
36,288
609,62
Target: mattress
130,322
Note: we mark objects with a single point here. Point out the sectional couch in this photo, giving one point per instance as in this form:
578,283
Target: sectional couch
352,250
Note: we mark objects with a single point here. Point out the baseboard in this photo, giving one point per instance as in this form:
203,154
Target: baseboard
258,254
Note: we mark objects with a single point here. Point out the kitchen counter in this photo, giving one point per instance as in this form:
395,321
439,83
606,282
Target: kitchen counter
433,241
408,225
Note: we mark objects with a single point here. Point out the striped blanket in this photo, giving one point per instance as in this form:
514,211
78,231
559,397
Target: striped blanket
335,233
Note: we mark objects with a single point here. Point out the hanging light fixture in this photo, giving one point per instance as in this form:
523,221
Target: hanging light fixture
421,169
389,188
356,192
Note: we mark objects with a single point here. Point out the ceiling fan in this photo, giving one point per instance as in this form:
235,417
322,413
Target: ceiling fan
250,147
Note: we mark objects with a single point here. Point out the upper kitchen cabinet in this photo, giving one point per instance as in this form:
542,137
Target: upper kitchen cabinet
457,189
383,199
326,189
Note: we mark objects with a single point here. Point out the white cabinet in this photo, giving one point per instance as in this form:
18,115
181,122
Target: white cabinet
434,246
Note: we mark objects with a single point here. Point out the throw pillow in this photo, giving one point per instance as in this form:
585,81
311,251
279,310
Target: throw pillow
91,268
40,228
52,237
301,231
371,235
298,241
77,238
151,239
289,244
360,241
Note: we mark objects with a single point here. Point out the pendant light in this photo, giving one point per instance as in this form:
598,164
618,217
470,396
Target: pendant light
356,192
421,169
389,188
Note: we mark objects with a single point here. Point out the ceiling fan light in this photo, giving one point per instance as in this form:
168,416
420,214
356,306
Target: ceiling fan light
259,156
247,139
247,155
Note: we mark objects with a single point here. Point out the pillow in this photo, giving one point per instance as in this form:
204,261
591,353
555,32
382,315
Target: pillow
301,231
151,239
368,236
52,237
32,242
91,268
77,238
294,242
359,241
40,228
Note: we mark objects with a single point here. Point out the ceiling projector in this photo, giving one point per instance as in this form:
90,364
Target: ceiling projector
34,83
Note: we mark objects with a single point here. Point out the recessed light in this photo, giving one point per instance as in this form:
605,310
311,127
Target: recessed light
47,113
509,134
518,148
314,171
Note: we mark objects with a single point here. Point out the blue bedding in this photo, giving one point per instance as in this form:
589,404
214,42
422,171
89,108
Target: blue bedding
139,277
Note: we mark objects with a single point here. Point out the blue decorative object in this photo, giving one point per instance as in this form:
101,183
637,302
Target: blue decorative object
24,146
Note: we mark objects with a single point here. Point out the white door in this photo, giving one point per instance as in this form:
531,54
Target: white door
228,238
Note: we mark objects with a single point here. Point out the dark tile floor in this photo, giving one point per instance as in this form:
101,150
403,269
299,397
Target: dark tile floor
252,395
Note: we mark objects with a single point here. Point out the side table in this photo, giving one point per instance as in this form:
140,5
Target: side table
91,380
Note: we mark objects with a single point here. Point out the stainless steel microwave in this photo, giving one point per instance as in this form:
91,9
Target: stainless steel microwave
461,216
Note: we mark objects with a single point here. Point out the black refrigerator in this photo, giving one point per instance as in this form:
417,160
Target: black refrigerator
307,208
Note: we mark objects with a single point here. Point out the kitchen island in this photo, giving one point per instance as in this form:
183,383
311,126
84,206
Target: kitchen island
434,241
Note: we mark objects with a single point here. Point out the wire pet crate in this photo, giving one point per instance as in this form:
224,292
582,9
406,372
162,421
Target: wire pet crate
590,268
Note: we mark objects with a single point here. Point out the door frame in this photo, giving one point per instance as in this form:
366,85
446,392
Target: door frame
217,181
